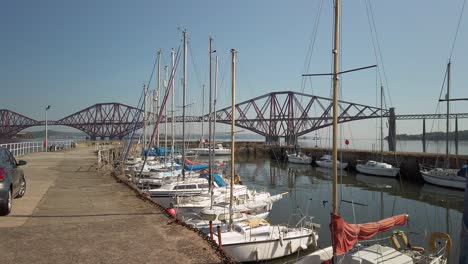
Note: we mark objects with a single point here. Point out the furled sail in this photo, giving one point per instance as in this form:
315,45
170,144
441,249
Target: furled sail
345,235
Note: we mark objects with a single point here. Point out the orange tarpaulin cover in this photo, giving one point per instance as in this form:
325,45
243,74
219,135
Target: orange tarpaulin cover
345,235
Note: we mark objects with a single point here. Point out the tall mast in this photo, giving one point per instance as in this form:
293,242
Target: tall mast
172,105
381,123
165,109
336,69
184,84
214,105
203,112
233,117
212,141
158,91
145,121
210,144
447,162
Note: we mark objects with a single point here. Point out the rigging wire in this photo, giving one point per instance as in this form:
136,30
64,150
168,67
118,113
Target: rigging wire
311,47
156,126
458,27
195,69
137,117
377,48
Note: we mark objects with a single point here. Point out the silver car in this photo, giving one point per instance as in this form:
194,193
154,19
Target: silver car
12,182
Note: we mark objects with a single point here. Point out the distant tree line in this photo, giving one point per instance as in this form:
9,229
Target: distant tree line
462,135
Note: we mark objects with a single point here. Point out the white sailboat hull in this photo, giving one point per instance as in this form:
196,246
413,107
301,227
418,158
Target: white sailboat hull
298,159
383,172
217,152
328,164
375,254
269,249
444,178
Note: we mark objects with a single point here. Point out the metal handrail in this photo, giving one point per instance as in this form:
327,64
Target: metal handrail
24,148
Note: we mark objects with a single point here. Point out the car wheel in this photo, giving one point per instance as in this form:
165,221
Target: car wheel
5,205
22,190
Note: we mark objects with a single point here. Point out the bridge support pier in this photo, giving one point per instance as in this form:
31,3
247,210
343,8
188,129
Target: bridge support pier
290,140
424,135
272,140
392,130
456,137
93,138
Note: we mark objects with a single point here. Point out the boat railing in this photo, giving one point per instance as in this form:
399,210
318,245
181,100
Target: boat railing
303,220
426,167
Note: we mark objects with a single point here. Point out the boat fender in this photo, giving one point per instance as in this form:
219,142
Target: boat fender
289,247
256,255
434,242
314,240
396,242
237,179
280,237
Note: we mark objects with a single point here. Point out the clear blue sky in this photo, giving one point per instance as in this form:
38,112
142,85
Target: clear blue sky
72,54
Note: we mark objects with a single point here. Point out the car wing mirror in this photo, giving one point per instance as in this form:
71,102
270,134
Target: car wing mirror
22,162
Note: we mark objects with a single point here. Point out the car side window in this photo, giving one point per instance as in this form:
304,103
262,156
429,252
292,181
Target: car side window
4,157
13,161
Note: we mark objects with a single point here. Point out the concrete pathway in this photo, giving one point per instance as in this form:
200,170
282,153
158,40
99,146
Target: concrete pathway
73,214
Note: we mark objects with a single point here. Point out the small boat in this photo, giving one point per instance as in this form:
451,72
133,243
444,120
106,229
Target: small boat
257,240
326,161
218,216
299,158
381,168
167,193
218,150
451,178
378,169
245,200
445,177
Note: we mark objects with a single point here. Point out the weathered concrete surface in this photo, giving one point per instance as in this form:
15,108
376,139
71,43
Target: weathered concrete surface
73,214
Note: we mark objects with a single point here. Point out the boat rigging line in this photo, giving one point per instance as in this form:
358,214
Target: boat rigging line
456,31
161,109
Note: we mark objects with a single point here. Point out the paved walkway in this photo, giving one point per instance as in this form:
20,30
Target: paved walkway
73,214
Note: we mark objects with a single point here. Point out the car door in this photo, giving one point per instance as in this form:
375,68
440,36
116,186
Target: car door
5,164
15,174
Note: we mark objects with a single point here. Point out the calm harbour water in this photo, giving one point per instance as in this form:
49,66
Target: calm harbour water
430,208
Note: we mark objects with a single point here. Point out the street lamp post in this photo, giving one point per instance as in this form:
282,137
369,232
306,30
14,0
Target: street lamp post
46,143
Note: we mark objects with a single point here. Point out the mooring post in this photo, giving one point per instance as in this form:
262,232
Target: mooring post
211,229
392,130
424,135
220,243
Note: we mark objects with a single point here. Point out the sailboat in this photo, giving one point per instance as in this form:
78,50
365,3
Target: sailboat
326,161
299,158
255,239
345,236
445,177
381,168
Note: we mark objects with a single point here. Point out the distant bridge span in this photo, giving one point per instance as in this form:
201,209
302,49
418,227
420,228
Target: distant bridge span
274,115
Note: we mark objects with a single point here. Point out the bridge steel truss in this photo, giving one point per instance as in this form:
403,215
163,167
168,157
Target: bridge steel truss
432,116
106,120
278,114
11,123
289,114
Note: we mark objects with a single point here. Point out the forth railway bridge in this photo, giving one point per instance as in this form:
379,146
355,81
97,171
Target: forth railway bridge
274,115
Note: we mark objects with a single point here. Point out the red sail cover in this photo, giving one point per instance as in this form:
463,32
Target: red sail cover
345,235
